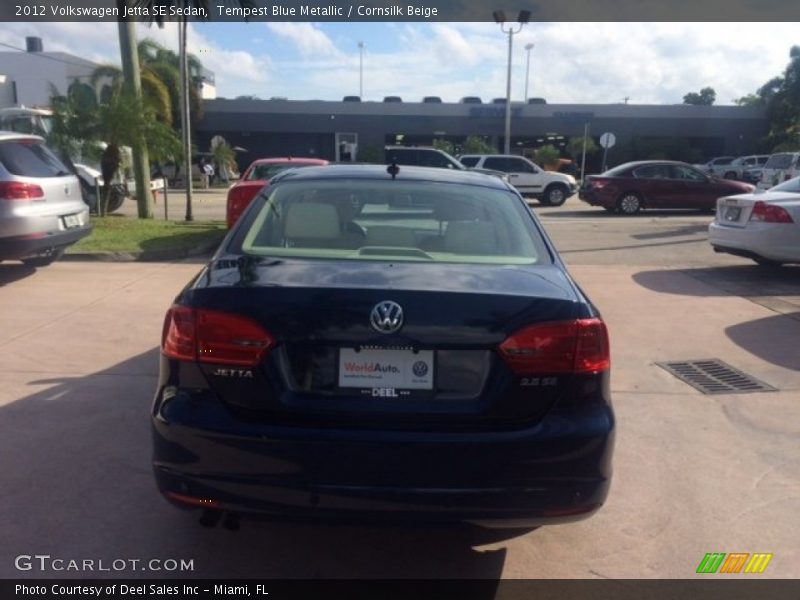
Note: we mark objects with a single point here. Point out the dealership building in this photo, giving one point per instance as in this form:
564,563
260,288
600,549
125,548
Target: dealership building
355,130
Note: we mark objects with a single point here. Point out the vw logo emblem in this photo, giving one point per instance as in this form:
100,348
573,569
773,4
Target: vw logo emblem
386,317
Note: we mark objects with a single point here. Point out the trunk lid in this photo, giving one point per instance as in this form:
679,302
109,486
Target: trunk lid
455,317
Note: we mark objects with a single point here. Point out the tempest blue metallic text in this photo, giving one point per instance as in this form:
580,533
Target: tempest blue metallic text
376,343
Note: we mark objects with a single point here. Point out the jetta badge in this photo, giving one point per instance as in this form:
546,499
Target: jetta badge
386,317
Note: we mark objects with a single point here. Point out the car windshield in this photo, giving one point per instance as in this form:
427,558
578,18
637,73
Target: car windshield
269,170
30,158
779,161
469,161
382,220
793,185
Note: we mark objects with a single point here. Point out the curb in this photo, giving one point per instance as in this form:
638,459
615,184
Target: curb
145,256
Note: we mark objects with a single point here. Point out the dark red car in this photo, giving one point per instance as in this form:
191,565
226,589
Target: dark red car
630,187
256,177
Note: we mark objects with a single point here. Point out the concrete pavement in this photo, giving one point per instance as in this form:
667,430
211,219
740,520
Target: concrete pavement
693,473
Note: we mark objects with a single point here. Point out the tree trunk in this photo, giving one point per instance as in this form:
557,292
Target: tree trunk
141,163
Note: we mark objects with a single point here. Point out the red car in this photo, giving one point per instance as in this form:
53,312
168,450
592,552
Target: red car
630,187
256,177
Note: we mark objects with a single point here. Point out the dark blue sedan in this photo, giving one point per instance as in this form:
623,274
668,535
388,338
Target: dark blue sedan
398,343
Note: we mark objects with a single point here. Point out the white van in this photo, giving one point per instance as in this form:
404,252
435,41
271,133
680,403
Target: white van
779,168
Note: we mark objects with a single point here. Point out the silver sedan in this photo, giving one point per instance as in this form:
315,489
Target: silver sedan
762,226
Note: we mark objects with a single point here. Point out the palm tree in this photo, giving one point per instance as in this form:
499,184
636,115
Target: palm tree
117,120
155,92
165,64
186,6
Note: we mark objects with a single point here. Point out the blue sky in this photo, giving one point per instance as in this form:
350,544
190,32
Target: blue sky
570,63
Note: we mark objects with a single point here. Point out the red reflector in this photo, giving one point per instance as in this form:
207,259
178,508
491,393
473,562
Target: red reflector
191,500
579,346
770,213
19,190
213,337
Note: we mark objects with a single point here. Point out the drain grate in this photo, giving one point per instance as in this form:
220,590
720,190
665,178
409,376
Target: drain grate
712,376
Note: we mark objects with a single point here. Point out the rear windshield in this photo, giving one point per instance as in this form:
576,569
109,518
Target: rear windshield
269,171
779,161
30,158
469,161
792,185
383,220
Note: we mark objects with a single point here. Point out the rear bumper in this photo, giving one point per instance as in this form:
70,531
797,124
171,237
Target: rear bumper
26,245
776,242
592,198
557,471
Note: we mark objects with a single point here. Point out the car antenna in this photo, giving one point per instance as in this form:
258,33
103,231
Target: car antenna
393,170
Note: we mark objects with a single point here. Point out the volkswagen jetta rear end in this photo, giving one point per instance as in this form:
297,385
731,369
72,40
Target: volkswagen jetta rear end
385,345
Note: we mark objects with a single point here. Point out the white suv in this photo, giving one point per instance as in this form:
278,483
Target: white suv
530,180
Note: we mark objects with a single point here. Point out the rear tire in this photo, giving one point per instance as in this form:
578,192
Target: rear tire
555,195
629,203
730,175
43,259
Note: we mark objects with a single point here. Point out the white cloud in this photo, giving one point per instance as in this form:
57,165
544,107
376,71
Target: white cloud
309,40
571,62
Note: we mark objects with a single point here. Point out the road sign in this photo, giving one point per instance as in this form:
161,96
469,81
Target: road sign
608,139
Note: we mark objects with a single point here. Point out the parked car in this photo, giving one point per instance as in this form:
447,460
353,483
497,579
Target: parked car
432,361
633,186
422,156
716,166
762,226
257,175
42,211
531,181
752,175
739,165
780,167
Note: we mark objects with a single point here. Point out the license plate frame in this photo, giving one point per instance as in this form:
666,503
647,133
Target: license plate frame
71,221
732,213
386,371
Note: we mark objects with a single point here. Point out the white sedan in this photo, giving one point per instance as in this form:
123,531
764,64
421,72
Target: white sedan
763,226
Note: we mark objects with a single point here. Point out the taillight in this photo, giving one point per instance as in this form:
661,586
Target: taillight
239,199
770,213
20,190
211,336
579,346
598,184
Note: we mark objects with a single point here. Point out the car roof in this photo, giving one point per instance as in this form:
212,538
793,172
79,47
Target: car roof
639,163
379,172
290,159
13,135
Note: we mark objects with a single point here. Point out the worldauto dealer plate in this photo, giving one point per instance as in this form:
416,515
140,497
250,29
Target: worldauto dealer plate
386,368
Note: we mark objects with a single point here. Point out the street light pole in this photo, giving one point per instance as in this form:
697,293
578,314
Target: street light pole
500,19
528,48
361,70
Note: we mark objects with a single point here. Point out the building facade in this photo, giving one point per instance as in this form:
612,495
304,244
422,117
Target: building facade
31,78
360,129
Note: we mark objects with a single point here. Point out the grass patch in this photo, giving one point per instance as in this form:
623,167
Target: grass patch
129,234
